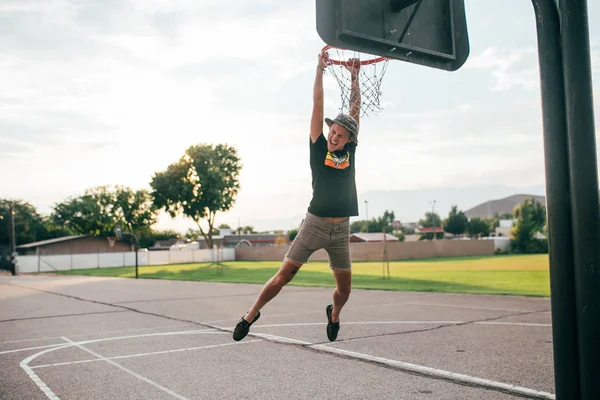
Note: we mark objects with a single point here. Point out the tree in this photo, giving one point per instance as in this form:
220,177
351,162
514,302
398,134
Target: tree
478,227
204,181
292,234
379,224
456,223
30,225
530,218
100,209
224,226
431,220
134,209
149,238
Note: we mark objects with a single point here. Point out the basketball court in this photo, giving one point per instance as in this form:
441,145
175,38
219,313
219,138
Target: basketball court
82,337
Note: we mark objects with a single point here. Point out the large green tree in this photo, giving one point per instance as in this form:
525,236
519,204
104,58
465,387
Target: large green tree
382,223
100,209
478,227
30,225
204,181
431,220
530,218
457,221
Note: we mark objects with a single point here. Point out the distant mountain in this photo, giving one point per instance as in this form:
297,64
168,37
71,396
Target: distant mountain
411,205
501,206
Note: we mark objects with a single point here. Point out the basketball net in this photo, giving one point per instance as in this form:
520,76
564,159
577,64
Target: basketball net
111,240
371,73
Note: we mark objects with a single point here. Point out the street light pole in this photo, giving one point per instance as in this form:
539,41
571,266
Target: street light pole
367,214
13,240
433,218
135,246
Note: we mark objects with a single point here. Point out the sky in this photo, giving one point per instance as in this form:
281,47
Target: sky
110,92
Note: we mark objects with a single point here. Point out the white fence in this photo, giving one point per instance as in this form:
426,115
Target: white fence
40,263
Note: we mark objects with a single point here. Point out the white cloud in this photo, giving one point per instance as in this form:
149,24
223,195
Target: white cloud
511,68
110,92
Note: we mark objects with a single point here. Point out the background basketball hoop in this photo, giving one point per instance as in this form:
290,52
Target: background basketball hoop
111,240
372,71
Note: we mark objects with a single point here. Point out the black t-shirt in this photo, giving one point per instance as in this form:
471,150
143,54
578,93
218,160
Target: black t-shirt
333,180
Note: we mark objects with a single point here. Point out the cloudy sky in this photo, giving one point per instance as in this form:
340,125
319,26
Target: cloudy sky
109,92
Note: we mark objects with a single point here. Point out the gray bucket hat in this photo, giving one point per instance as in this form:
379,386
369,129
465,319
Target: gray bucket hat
346,121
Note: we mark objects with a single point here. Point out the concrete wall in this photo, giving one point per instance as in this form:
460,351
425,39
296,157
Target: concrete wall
374,251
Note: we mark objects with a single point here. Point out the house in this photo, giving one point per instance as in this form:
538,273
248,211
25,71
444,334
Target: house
78,244
372,237
167,244
258,239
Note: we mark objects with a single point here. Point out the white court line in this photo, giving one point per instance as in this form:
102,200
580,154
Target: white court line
36,379
31,348
97,333
151,382
48,392
471,307
512,323
438,373
363,323
193,332
415,368
143,354
311,312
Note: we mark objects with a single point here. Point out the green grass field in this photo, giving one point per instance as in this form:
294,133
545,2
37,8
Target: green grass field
525,275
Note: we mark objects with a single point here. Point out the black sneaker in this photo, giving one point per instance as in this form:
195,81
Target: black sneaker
243,327
332,327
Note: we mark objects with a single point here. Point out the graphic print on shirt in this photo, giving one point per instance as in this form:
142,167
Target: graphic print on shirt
337,162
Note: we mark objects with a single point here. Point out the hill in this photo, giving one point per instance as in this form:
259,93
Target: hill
500,206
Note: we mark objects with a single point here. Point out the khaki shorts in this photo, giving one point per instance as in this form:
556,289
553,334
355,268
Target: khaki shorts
318,233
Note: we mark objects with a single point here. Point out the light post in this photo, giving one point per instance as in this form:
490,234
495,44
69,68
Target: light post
135,245
433,223
367,214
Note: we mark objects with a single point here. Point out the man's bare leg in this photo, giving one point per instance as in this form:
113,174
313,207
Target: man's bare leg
343,279
286,273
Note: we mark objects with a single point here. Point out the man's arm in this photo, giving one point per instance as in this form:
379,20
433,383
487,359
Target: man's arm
354,91
316,122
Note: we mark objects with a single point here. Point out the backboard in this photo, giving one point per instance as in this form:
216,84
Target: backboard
431,33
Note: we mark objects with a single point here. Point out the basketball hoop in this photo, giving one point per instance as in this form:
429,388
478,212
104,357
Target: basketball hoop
111,240
372,70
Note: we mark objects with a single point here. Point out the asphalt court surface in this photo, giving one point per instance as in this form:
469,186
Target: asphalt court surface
111,338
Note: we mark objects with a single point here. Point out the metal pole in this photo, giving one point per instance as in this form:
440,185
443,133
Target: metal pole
367,214
558,202
584,189
136,257
13,238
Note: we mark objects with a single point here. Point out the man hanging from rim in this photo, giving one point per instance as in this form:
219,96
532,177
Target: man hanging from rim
334,201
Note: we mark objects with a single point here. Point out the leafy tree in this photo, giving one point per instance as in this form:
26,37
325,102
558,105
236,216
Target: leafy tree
379,224
148,238
457,221
224,226
400,235
431,220
530,218
30,225
292,234
204,181
478,227
134,209
100,209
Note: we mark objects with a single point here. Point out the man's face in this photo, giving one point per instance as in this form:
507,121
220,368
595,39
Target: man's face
337,138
